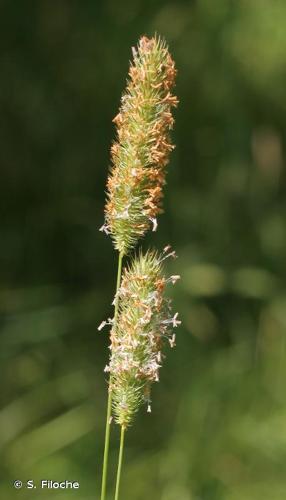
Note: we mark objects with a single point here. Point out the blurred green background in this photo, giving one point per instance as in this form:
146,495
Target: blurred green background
218,425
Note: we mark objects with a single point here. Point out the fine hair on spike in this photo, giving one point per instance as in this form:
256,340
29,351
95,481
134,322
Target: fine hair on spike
142,148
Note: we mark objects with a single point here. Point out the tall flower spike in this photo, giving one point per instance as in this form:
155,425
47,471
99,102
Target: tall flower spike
141,151
144,323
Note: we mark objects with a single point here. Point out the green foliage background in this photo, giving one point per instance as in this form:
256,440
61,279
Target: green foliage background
218,425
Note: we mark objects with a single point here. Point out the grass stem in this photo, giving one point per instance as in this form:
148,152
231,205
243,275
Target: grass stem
120,457
109,402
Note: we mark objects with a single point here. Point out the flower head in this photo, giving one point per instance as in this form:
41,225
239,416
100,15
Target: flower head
141,151
143,325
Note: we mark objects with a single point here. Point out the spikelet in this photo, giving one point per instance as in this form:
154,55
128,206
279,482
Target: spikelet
144,323
141,152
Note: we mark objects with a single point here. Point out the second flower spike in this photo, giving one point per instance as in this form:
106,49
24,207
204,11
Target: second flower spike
141,151
143,326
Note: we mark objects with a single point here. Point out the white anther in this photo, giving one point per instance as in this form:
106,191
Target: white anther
167,248
102,325
175,321
175,278
104,229
172,341
155,223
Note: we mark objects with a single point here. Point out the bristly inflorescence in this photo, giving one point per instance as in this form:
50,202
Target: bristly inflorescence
141,151
144,322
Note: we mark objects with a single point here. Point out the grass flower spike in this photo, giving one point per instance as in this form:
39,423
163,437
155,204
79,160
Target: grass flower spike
144,323
141,151
142,313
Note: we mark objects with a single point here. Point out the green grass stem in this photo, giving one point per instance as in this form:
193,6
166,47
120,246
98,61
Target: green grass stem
109,402
120,458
